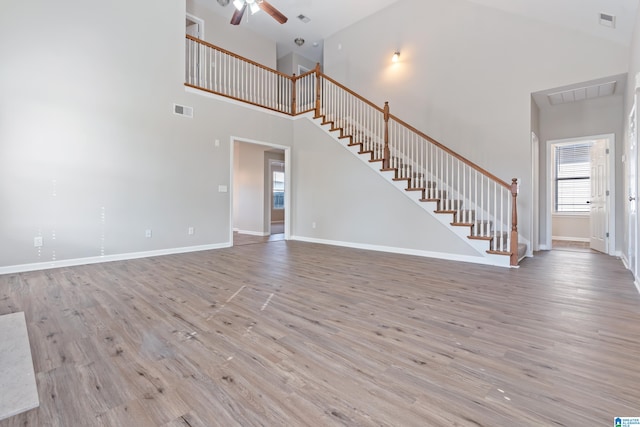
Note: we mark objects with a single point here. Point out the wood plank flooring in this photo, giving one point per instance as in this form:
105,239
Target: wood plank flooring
298,334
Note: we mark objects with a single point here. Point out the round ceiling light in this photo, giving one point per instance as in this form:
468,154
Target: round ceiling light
299,41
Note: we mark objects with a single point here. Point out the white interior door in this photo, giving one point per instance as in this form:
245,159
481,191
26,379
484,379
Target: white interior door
632,170
599,217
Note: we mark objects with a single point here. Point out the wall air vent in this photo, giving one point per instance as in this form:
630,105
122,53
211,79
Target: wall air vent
182,110
608,20
304,19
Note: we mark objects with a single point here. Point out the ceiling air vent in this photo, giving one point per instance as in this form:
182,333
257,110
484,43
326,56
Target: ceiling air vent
182,110
304,19
607,20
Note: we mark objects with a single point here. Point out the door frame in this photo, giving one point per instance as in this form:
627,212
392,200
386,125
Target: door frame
611,186
535,193
269,212
287,181
631,195
198,21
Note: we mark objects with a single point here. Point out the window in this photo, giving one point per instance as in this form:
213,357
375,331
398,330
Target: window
278,190
572,177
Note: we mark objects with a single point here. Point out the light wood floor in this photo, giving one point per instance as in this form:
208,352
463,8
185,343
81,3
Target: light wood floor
298,334
570,245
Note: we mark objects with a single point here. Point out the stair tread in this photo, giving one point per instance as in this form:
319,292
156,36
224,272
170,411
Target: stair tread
480,237
499,253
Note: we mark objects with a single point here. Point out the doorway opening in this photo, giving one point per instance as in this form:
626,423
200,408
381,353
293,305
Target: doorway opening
194,27
260,195
580,214
277,193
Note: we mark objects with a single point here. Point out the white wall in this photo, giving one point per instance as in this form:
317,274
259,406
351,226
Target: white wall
570,227
466,73
90,153
597,116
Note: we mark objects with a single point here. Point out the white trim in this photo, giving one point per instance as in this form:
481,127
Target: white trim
251,233
302,69
535,195
109,258
200,23
571,239
406,251
287,183
611,205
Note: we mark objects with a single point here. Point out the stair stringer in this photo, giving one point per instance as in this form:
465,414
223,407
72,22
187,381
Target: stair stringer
479,246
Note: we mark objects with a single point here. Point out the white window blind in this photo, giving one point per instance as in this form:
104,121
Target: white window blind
572,177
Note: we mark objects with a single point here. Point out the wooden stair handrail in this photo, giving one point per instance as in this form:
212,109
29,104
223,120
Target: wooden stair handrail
453,153
513,187
308,73
350,92
242,58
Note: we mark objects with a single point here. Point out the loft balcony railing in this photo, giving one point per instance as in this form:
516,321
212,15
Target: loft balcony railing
475,197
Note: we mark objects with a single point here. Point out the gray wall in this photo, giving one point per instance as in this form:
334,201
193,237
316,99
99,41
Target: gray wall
249,188
90,153
288,64
466,73
349,202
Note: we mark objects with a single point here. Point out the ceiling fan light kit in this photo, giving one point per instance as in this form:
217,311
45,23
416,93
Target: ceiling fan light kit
255,6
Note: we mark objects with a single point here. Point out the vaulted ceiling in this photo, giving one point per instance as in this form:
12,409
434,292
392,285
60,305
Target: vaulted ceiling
327,17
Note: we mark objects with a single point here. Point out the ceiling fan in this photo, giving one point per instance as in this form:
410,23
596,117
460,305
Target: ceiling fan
254,6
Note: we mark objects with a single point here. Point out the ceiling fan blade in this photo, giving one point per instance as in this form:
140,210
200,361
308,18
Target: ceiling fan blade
275,13
237,15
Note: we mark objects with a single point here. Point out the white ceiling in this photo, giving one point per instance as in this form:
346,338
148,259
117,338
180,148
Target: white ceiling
327,17
330,16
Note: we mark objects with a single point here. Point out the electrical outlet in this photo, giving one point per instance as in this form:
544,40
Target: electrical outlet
37,241
147,233
313,224
190,231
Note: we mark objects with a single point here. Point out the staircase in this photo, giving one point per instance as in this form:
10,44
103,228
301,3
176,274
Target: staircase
475,205
491,242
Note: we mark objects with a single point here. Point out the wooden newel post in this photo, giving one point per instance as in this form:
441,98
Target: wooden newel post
293,95
387,153
317,89
514,222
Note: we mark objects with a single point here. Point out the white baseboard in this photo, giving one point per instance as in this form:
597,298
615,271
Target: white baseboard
251,233
571,239
108,258
403,251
